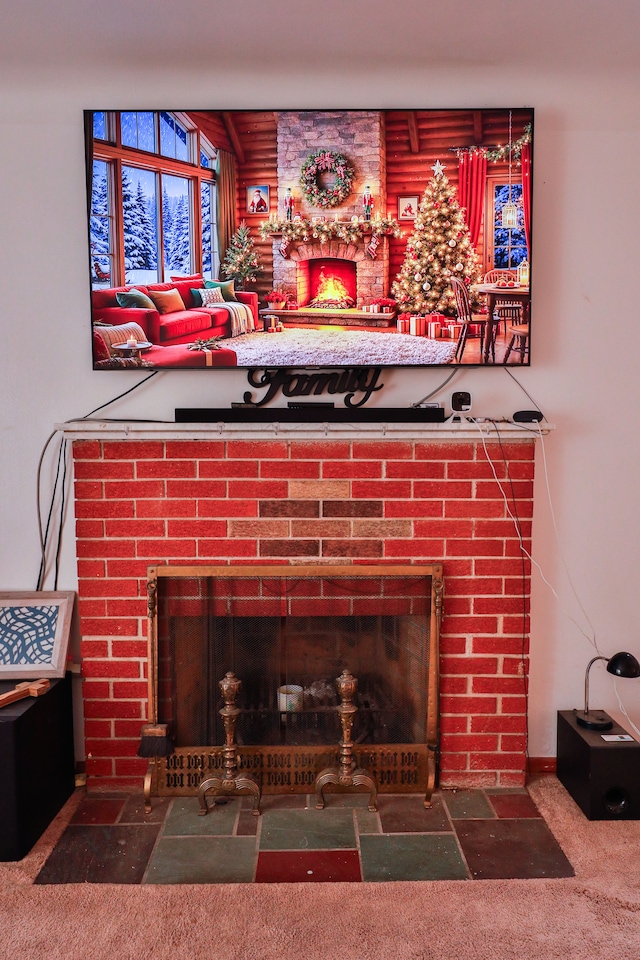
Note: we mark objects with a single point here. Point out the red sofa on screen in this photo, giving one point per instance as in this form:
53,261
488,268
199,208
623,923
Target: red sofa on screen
169,329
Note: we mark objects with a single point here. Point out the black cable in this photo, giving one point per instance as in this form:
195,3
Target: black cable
438,388
44,537
515,380
62,509
44,540
119,397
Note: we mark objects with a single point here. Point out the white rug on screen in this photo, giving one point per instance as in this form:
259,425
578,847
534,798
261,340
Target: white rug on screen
295,347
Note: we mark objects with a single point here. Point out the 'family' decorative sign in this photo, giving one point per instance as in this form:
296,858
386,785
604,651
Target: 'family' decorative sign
350,381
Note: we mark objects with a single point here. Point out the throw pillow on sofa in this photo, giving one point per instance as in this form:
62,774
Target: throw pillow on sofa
167,301
226,286
134,298
212,296
191,276
100,349
120,334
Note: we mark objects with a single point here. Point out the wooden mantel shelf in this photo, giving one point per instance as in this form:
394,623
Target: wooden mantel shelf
168,430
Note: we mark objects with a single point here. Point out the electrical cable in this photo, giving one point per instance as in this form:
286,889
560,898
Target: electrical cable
119,397
62,512
438,388
591,639
522,546
44,535
44,540
526,392
523,553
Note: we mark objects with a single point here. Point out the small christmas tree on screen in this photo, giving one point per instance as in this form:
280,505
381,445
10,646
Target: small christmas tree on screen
439,248
242,261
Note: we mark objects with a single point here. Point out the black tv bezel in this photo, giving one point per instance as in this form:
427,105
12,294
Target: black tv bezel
245,368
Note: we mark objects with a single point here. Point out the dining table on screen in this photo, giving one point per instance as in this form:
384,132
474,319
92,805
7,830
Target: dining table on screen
495,294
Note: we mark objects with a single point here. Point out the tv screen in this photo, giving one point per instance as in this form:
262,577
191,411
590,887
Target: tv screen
261,239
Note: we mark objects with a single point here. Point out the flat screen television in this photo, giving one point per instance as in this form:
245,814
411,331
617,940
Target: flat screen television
263,239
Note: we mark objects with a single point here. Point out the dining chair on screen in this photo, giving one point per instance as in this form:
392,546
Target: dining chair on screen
519,342
466,318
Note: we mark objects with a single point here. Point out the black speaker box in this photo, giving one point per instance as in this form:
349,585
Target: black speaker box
37,767
602,775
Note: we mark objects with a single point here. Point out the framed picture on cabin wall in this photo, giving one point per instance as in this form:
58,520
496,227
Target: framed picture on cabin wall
34,634
258,198
407,208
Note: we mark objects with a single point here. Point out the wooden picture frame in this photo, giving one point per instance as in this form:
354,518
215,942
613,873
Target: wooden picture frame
407,207
258,198
34,633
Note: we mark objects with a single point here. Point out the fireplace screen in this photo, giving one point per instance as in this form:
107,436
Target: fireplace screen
287,633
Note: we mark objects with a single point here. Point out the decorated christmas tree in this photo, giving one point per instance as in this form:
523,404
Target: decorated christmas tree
241,262
439,249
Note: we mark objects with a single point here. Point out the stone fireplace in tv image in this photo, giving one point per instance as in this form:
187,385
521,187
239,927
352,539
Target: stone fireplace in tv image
184,273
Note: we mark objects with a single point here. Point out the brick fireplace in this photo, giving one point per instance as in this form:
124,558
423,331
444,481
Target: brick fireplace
181,495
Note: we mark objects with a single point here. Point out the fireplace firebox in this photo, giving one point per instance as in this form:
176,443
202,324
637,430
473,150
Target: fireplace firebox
287,632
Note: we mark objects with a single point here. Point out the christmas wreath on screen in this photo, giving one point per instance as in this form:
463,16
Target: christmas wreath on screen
325,161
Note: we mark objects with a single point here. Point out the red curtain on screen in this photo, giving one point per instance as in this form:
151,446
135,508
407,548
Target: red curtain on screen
525,160
472,178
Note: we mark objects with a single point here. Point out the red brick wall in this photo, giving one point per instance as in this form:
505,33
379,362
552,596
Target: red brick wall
141,502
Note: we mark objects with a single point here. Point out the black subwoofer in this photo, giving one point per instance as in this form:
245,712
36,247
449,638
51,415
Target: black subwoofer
600,771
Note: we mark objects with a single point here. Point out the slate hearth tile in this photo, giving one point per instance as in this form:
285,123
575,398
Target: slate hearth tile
425,856
183,818
367,821
408,814
511,850
133,810
308,830
202,860
467,805
100,854
514,806
277,801
247,825
101,810
315,866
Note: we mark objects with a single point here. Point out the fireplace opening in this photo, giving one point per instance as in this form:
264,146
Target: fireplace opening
330,283
287,634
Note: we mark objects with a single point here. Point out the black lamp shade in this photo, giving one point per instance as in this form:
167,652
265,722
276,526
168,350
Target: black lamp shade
624,665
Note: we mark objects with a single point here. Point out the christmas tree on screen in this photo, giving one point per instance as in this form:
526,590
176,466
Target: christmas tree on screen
242,261
440,248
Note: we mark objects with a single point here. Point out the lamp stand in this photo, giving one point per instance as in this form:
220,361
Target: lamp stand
592,719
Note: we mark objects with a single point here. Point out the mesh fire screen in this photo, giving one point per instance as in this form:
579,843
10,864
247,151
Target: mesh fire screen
287,633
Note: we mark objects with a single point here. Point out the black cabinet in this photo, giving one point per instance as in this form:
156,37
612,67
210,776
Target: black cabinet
601,772
36,765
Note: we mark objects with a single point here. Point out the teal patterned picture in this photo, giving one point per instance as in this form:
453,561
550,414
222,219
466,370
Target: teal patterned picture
27,634
34,633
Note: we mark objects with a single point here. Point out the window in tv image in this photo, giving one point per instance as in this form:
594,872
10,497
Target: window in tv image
187,271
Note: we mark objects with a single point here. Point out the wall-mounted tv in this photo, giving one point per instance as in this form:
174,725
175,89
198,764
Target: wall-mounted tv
309,238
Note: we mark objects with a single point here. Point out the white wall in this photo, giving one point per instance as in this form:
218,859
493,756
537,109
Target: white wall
61,58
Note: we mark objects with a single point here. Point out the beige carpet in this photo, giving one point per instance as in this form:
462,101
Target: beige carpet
593,916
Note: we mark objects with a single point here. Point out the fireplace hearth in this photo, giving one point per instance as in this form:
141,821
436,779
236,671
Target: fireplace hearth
287,633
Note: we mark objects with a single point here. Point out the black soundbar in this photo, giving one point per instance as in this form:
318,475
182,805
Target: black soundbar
311,414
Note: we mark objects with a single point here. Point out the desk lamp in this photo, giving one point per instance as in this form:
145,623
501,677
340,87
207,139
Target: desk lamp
620,665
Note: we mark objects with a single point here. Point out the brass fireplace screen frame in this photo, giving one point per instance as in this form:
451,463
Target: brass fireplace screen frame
396,767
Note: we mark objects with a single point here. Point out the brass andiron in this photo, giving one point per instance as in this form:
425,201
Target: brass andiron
346,777
229,783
